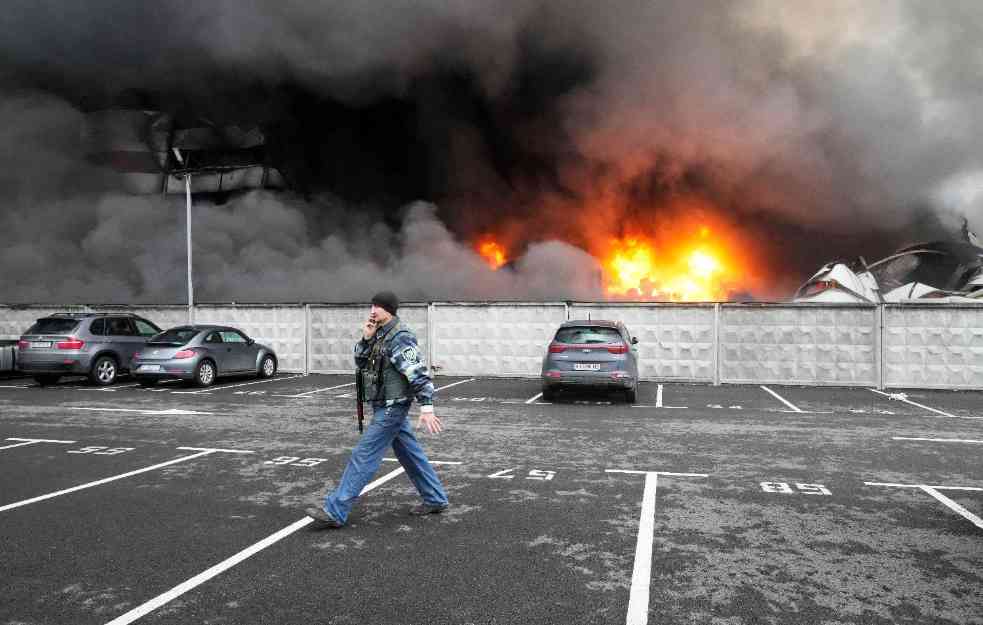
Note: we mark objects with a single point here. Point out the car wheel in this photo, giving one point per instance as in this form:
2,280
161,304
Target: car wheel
104,371
205,373
548,394
147,382
631,395
267,369
47,380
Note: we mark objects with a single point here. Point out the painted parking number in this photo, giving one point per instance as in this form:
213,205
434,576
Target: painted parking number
101,451
296,461
535,474
786,489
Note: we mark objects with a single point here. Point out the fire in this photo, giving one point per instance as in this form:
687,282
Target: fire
697,269
493,253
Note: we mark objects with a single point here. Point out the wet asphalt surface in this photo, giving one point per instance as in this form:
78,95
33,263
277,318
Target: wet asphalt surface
783,529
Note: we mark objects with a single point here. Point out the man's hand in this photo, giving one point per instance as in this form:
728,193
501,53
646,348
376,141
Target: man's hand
368,330
432,421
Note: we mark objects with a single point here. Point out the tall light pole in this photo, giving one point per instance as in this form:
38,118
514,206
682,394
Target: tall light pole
187,196
191,288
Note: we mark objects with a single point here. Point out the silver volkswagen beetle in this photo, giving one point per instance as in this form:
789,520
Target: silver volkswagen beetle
200,354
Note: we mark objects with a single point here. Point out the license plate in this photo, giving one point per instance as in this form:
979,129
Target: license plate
149,368
41,344
587,366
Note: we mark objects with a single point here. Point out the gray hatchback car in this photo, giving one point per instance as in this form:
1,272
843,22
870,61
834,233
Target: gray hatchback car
97,345
591,354
200,354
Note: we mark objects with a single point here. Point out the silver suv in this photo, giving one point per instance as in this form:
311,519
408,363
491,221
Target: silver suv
599,354
97,345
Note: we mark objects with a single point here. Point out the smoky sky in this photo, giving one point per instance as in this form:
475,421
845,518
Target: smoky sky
406,129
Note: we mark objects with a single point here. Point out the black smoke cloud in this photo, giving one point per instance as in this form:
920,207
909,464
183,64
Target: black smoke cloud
407,128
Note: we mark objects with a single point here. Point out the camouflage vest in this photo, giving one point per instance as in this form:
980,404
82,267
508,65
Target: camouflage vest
382,380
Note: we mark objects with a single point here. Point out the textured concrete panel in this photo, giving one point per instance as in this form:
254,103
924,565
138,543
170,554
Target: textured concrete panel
834,345
280,327
493,339
15,320
675,341
933,347
336,329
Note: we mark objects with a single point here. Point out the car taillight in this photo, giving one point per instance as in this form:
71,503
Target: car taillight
71,343
618,349
23,344
553,374
184,353
556,348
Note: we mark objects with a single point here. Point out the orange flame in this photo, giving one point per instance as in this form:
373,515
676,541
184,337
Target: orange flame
493,253
692,269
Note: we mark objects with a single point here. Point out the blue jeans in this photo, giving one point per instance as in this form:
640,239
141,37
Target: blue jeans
389,426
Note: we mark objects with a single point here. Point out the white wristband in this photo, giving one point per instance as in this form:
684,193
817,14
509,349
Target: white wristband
427,408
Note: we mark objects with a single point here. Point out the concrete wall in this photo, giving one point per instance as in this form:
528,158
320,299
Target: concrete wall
890,346
775,344
933,346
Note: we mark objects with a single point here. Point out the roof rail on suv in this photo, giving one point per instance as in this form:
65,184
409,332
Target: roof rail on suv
93,314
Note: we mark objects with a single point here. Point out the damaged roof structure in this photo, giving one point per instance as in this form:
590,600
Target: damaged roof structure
153,150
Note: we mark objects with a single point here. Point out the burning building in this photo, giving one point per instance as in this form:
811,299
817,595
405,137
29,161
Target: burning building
519,149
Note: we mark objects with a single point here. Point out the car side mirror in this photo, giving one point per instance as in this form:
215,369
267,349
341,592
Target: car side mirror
634,340
250,342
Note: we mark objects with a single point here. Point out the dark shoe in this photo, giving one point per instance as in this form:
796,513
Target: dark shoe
322,520
425,508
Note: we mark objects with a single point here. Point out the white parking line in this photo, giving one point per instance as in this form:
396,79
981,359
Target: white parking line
227,564
454,384
903,397
661,407
32,441
955,507
221,388
641,576
782,399
169,411
534,398
934,492
319,390
935,440
106,480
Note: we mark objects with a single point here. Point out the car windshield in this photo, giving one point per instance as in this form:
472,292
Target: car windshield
174,336
53,325
584,335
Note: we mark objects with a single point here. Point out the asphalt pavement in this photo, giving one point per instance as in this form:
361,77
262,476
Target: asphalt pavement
699,504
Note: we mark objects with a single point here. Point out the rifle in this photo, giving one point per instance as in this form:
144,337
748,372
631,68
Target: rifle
359,397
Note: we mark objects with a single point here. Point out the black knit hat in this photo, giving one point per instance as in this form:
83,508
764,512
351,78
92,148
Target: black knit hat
386,300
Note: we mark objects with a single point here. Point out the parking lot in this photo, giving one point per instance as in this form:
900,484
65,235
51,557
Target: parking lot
698,504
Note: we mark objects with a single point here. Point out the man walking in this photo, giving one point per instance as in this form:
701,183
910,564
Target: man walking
389,358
